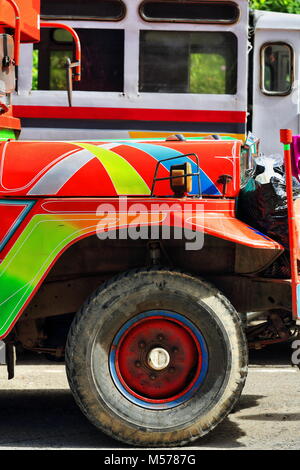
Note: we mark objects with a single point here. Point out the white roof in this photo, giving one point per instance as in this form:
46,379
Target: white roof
273,20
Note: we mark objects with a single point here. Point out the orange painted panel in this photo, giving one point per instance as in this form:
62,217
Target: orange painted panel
29,14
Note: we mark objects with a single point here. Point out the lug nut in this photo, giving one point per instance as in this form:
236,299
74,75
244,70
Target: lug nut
175,350
172,370
142,345
160,338
152,377
138,364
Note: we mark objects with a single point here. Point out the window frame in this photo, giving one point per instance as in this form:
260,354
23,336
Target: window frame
87,18
191,21
262,68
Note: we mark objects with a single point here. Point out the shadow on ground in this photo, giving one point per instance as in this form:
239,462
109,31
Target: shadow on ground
51,418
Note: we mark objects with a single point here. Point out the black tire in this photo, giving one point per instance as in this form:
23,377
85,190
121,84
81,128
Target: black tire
99,321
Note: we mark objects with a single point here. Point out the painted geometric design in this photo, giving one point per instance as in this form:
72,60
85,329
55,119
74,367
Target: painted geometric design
12,214
116,168
159,153
42,240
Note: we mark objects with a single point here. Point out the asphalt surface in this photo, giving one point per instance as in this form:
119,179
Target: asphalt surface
38,411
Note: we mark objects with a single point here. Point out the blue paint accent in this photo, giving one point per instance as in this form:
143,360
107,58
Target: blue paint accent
191,392
259,233
160,152
28,206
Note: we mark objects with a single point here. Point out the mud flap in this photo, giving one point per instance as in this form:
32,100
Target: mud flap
8,357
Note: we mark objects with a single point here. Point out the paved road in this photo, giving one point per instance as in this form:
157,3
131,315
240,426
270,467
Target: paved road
38,412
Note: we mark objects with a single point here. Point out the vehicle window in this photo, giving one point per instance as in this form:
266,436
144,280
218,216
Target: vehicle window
189,11
188,62
108,10
277,69
102,60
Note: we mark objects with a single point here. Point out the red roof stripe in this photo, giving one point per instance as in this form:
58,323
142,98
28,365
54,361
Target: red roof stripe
129,114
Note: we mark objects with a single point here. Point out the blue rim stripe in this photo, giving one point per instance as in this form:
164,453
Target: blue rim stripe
191,392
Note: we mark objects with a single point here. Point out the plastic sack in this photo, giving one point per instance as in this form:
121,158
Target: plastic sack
266,168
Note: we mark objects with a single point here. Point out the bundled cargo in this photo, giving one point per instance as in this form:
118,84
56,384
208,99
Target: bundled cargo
263,204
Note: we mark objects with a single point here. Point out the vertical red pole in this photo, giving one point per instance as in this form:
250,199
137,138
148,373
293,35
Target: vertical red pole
286,137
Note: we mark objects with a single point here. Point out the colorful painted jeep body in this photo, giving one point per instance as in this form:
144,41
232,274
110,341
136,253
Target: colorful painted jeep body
74,215
52,194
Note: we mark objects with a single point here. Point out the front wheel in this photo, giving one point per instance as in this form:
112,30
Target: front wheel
156,358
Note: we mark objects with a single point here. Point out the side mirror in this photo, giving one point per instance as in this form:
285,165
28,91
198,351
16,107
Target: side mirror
181,179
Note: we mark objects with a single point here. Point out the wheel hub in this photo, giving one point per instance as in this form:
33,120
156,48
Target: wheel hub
158,358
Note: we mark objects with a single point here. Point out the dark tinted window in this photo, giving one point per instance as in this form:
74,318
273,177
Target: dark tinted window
102,60
190,11
188,62
96,9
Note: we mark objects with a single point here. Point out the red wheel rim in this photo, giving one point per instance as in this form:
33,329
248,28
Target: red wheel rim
164,337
